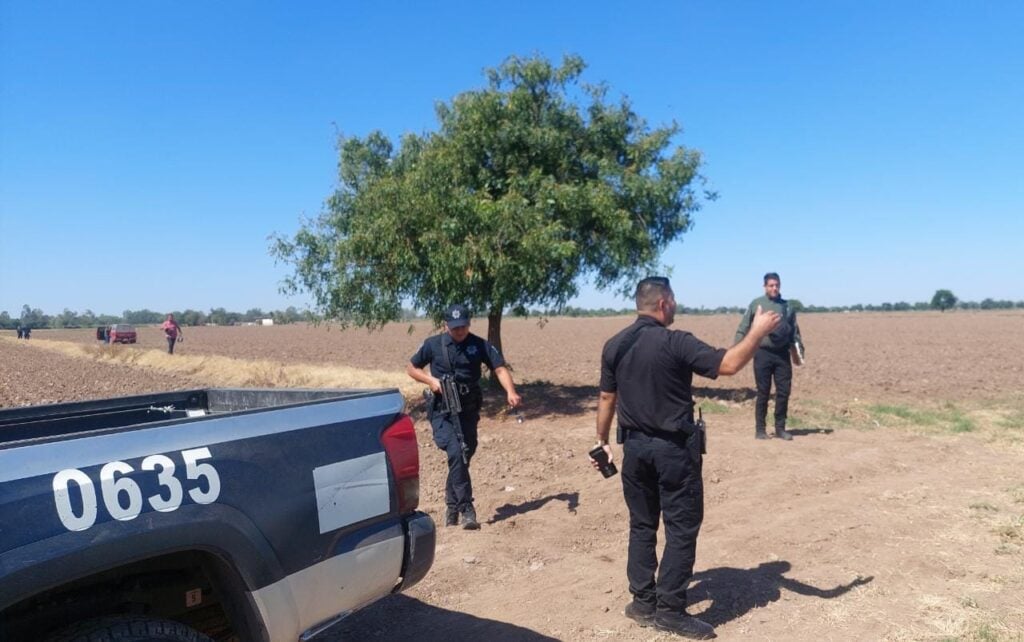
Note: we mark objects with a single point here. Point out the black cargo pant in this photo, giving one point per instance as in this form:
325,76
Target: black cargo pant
459,487
661,478
770,364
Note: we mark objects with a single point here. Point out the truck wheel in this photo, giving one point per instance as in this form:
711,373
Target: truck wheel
128,629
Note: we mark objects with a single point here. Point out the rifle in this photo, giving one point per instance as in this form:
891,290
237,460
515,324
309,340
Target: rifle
451,406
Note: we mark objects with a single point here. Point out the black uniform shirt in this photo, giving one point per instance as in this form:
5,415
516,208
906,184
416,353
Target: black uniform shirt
653,378
465,357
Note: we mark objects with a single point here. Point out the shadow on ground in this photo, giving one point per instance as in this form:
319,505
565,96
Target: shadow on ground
572,501
400,617
543,399
803,432
734,395
735,591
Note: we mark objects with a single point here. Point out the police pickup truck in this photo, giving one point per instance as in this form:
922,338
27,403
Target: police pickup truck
212,514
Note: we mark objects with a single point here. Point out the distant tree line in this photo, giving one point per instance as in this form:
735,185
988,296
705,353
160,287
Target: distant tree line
35,318
943,300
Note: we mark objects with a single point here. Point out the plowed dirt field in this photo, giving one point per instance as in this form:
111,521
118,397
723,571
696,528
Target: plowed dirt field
897,512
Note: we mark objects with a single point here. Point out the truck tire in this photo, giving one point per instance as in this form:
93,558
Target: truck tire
128,629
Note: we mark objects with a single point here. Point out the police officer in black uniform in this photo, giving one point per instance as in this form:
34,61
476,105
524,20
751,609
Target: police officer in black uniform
456,351
646,376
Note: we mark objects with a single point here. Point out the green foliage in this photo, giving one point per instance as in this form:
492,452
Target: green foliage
1014,420
33,318
903,412
983,506
992,304
190,317
288,315
36,318
710,407
943,300
529,185
949,417
142,317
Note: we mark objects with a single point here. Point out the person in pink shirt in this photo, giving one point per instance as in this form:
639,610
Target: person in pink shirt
173,332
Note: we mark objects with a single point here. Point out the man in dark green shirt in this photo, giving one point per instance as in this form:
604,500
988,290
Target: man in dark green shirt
772,360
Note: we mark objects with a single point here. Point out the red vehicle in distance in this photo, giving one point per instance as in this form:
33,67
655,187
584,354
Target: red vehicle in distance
119,333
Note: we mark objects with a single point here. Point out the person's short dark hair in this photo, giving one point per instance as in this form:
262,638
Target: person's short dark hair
649,290
456,316
771,275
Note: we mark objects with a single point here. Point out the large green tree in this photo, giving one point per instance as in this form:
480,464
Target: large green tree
528,186
943,300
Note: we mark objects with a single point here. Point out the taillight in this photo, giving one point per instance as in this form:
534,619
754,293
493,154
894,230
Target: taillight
399,441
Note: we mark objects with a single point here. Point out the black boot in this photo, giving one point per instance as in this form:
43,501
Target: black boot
684,625
782,434
642,614
759,433
469,518
451,516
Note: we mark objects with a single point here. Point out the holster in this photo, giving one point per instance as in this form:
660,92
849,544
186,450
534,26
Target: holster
620,434
702,429
699,430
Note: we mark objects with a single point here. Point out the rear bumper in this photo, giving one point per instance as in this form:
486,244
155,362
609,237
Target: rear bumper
419,549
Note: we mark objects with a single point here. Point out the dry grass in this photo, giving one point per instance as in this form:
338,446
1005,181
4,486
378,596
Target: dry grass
229,372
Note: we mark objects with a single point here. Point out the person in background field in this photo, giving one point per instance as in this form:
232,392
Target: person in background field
172,331
773,357
459,353
646,376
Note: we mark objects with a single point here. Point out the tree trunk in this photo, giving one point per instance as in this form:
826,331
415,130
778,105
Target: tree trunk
494,328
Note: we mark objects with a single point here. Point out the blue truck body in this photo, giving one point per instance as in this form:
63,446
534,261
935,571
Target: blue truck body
243,514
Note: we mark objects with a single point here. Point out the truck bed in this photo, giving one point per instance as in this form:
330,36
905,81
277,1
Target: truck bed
56,421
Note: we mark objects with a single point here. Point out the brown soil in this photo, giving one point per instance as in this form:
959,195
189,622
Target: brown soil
913,356
879,521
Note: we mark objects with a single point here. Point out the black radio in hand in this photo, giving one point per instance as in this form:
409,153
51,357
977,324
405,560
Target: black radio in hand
606,467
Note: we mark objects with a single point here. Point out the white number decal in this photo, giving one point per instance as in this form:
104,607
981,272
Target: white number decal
122,495
113,488
165,478
63,500
195,471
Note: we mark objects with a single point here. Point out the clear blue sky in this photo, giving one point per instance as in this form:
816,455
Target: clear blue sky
868,151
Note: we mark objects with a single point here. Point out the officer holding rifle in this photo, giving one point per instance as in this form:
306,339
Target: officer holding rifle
455,357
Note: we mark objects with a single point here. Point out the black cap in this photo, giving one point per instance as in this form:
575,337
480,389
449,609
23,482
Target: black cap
456,316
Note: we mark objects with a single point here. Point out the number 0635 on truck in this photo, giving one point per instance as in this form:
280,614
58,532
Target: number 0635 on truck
216,514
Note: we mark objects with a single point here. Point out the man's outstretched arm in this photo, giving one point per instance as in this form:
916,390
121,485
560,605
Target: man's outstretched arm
738,355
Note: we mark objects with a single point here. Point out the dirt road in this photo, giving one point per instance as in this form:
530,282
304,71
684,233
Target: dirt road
841,535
